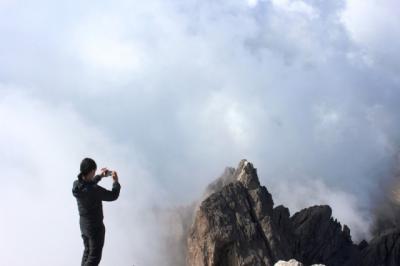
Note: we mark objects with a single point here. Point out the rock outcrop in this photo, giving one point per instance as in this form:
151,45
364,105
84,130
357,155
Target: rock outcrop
319,238
237,225
383,250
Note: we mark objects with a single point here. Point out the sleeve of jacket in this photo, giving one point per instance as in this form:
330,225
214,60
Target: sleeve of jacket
109,195
97,178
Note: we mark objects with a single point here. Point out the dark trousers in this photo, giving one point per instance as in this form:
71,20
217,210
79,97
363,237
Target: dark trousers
93,241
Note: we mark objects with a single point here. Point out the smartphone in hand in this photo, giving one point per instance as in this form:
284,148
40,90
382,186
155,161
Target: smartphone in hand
108,173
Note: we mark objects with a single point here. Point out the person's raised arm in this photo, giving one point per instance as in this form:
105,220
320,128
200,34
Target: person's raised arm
110,195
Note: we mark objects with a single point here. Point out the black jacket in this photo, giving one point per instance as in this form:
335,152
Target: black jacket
89,197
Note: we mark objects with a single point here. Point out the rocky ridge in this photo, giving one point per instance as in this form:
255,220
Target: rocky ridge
238,225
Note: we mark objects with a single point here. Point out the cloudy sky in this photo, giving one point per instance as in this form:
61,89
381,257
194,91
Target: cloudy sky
169,93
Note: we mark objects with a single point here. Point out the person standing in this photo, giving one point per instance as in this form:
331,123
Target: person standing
89,196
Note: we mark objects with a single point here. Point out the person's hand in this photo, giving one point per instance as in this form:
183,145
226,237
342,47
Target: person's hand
103,171
115,176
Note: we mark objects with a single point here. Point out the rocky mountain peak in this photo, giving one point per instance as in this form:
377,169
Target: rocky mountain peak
247,175
236,224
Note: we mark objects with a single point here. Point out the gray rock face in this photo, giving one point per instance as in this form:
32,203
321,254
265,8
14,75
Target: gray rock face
237,225
319,238
230,225
225,231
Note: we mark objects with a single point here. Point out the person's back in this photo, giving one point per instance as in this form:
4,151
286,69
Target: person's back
89,196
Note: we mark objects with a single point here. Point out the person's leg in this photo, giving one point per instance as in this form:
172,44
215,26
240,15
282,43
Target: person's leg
96,243
86,249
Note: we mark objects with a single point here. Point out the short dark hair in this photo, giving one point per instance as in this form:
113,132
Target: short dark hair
87,165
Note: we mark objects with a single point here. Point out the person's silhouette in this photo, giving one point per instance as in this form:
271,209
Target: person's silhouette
89,196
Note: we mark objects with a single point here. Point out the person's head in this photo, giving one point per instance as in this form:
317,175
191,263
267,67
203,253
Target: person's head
88,169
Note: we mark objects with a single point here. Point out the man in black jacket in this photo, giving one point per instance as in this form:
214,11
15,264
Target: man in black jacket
89,197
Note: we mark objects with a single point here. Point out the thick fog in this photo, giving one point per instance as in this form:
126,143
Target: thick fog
168,93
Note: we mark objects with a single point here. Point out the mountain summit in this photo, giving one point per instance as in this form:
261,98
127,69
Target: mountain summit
238,225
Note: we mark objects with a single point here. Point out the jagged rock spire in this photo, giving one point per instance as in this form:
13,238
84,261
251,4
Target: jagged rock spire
247,175
236,224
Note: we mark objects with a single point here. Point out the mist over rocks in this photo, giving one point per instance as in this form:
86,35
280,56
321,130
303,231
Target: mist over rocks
175,223
236,223
386,205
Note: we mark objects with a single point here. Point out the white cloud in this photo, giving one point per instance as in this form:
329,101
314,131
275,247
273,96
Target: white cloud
252,3
373,25
329,127
102,44
226,114
296,6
